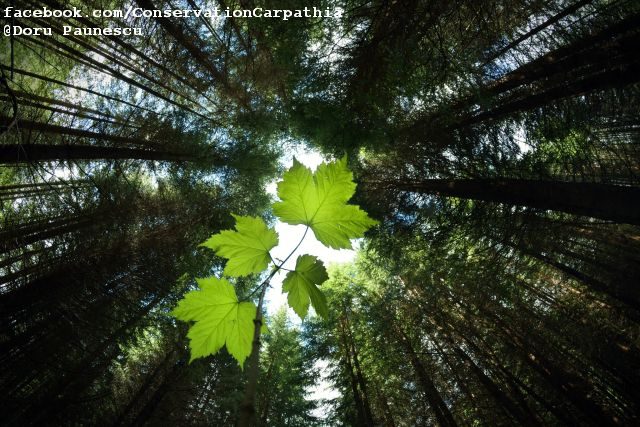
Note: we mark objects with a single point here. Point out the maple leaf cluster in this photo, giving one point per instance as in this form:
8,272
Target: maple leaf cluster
317,200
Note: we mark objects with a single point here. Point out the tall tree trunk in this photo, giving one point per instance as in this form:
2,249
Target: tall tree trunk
565,12
247,410
357,398
583,52
501,397
234,91
621,75
56,228
628,295
266,405
575,388
610,202
561,415
602,60
440,409
147,412
65,130
24,153
366,403
71,86
79,57
142,392
128,47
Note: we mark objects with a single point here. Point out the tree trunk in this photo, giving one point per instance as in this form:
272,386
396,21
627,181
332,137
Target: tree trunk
561,415
501,397
360,411
266,405
147,412
577,389
247,410
628,295
143,390
603,60
80,88
566,12
440,409
360,377
79,57
581,53
610,202
58,228
24,153
199,55
622,74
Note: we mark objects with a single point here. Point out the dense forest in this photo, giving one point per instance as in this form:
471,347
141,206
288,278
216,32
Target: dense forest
496,143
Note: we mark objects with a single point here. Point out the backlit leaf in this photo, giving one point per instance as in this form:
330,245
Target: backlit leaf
219,320
302,286
247,248
319,200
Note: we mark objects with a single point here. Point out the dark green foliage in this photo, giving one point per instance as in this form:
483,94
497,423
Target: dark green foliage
495,141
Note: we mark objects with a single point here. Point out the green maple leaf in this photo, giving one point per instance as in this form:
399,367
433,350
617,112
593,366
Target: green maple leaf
219,320
319,200
302,285
247,249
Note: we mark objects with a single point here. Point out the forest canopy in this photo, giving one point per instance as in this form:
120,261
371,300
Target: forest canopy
485,155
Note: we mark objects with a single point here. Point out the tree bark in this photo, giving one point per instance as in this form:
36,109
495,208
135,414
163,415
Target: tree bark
610,202
602,60
76,56
621,75
562,416
247,410
147,412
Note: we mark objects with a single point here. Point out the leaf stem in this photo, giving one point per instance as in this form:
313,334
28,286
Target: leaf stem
280,266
